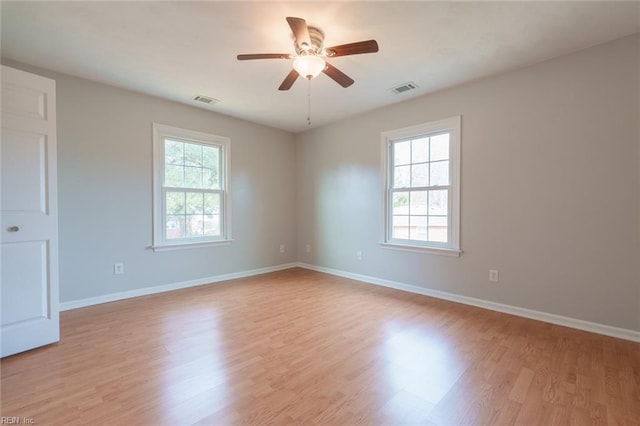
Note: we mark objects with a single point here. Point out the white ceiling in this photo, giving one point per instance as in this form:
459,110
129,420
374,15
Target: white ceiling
179,49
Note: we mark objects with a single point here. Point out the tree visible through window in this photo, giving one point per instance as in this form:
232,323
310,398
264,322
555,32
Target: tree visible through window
190,175
422,185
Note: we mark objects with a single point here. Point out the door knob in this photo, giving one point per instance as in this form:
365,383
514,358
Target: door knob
13,229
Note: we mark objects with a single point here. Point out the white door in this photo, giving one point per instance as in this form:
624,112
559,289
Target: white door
28,206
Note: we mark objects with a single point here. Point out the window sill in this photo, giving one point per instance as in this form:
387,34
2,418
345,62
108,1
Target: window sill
183,246
422,249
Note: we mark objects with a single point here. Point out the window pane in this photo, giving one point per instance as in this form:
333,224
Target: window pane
419,175
211,164
174,203
400,227
439,173
195,204
174,176
194,225
212,225
440,147
210,157
211,203
193,155
438,229
400,203
210,179
401,176
192,177
418,228
173,152
401,153
420,150
174,227
418,202
438,202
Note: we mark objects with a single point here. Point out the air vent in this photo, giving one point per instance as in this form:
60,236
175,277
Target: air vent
205,99
405,87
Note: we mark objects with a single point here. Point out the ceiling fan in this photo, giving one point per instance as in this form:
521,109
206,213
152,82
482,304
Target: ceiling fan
310,57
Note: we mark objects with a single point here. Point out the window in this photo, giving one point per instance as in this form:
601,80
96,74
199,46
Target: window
190,188
422,193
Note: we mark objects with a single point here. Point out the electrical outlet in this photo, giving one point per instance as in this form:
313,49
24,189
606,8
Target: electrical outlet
118,268
308,248
281,248
359,254
493,275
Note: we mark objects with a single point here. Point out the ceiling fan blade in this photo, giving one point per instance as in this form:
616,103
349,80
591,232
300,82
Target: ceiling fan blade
264,56
300,31
289,80
369,46
338,76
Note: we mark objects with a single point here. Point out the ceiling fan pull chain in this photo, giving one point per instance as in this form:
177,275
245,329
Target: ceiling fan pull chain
309,102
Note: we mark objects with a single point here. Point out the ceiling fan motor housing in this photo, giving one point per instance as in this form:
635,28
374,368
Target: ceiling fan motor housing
317,43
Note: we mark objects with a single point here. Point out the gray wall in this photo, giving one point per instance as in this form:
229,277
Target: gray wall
550,191
105,190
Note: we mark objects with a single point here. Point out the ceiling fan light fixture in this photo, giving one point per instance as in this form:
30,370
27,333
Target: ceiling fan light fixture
309,66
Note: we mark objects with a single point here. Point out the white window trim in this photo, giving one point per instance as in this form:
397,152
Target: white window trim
453,125
160,243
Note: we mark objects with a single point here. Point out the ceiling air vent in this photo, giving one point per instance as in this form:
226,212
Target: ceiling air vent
405,87
205,99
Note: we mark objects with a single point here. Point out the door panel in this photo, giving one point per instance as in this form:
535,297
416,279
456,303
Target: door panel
29,214
26,263
24,101
24,165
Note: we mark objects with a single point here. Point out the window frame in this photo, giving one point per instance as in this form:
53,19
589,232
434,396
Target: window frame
161,132
451,125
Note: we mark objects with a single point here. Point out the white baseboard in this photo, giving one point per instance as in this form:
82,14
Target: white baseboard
74,304
606,330
593,327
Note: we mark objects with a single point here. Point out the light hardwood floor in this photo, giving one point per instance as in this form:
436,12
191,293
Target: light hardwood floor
301,347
